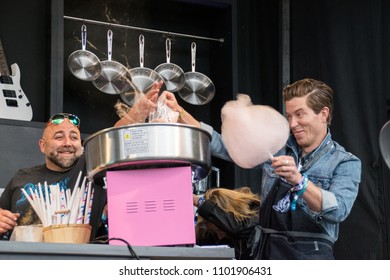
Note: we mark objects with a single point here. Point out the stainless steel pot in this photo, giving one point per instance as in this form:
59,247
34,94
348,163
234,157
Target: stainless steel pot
198,89
114,77
142,79
148,145
84,64
172,74
384,143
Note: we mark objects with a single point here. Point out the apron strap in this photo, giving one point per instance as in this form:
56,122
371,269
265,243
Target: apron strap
298,234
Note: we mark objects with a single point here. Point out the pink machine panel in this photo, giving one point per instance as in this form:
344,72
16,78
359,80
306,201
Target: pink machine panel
151,207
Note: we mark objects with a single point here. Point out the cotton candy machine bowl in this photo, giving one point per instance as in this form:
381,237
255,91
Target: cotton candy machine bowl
148,145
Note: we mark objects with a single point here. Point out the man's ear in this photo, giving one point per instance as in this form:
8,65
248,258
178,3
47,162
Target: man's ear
324,114
41,144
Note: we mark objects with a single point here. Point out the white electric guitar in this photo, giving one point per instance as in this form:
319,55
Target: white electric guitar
13,102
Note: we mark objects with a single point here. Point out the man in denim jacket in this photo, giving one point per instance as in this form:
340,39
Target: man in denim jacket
308,187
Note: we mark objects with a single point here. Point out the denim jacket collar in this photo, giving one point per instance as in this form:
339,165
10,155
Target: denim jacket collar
296,150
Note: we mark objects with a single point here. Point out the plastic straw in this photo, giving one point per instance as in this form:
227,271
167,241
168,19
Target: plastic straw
66,216
76,185
42,203
53,195
48,205
87,202
75,207
88,216
58,198
37,205
55,205
80,216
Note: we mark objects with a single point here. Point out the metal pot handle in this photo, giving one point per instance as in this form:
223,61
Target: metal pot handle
193,56
83,37
168,49
109,44
141,50
217,176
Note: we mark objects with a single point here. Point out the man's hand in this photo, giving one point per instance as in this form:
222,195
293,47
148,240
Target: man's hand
7,220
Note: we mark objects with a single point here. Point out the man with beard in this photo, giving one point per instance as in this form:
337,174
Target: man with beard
64,161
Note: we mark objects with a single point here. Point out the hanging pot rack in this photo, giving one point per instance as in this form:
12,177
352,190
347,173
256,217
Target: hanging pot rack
167,33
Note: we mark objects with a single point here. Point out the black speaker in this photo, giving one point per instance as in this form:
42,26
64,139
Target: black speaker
384,143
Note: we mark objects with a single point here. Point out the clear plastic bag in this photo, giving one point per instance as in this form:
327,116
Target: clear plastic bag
163,113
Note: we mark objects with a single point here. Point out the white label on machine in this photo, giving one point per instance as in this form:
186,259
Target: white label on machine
135,141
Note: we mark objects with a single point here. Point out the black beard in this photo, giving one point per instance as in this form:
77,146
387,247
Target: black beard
62,163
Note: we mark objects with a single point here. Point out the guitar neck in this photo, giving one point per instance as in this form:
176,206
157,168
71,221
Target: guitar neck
4,70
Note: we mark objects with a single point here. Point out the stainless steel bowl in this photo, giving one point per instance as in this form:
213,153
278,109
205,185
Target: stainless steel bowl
148,145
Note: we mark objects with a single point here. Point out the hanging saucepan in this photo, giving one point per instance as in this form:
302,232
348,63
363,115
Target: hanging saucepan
172,74
198,89
84,64
142,78
114,77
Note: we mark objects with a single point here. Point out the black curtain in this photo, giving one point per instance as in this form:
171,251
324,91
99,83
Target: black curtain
258,58
346,44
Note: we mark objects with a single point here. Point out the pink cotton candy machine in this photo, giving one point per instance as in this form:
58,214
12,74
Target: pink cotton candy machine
149,170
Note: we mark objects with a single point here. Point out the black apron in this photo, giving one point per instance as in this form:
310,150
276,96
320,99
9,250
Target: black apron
287,235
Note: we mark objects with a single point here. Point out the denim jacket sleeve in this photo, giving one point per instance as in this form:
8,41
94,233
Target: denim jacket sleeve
217,147
340,194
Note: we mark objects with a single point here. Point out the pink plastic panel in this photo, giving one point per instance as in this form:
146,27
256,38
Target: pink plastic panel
151,207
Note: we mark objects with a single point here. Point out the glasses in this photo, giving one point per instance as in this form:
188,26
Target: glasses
59,119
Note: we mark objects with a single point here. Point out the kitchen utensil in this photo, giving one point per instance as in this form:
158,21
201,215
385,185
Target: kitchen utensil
142,78
384,143
114,77
172,74
198,89
148,145
84,64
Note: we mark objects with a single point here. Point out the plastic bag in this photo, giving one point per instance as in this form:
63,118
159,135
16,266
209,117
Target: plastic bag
163,113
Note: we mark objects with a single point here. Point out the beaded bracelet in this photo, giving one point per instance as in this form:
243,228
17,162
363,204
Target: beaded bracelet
302,183
299,189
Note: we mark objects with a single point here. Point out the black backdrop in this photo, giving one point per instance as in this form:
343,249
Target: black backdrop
346,44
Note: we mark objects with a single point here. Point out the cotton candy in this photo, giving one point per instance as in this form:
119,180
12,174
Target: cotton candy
252,133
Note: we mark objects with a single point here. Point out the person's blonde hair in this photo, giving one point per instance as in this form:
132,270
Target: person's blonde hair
241,202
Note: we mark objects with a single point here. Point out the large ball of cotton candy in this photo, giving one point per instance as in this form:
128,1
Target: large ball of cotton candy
252,133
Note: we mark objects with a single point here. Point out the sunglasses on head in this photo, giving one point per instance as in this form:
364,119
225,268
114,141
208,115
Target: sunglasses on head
59,118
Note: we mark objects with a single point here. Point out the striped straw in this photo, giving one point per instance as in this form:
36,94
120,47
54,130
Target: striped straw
90,201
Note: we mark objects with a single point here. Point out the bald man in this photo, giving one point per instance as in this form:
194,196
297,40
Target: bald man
64,160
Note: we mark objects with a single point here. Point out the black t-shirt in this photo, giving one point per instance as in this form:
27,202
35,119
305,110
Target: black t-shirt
14,200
